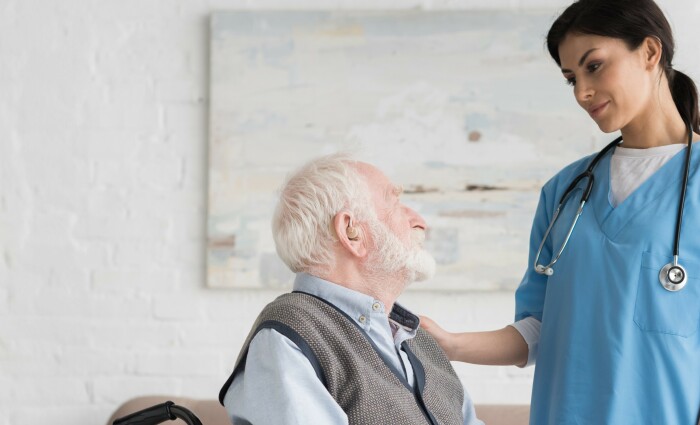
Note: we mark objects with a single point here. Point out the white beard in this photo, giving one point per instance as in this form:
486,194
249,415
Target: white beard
391,255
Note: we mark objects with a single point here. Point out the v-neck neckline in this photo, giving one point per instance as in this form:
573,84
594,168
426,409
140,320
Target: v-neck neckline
613,219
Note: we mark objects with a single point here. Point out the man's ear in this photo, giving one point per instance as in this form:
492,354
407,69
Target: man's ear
350,234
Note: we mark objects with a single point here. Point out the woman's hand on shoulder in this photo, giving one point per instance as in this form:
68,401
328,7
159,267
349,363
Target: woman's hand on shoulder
444,339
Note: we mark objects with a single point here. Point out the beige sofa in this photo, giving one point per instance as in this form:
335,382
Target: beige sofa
210,412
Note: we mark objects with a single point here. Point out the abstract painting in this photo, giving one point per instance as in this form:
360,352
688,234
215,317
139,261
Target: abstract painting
464,109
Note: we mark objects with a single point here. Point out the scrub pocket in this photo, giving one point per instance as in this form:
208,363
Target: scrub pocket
662,311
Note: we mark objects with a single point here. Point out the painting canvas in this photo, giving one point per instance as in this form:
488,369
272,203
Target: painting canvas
462,108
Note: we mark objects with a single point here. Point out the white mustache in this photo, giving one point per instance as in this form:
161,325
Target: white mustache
418,237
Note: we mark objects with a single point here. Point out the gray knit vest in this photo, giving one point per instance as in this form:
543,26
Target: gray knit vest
364,385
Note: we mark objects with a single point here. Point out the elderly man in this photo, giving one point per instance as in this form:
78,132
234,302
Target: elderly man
338,349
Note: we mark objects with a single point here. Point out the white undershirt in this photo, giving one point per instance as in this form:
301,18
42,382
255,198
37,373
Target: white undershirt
630,168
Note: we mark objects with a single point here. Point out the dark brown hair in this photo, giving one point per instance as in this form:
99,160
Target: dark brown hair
631,21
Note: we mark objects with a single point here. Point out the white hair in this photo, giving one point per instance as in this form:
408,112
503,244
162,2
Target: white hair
302,225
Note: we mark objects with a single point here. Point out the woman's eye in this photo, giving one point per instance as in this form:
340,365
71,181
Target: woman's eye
571,81
593,67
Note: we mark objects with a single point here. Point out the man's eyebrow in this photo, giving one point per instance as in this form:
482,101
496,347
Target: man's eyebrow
581,61
393,191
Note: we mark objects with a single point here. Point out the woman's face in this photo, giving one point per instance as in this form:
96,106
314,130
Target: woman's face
612,83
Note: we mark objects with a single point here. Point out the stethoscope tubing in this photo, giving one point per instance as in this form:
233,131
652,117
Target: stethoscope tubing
587,174
681,206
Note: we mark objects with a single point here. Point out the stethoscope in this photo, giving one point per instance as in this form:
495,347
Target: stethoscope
672,276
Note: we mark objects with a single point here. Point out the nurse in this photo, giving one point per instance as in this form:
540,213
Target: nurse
612,345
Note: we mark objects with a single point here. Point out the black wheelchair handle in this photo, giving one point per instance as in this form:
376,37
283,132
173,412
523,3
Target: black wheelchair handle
159,413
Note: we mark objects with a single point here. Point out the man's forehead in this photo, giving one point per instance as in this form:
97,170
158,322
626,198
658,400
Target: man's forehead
372,174
365,168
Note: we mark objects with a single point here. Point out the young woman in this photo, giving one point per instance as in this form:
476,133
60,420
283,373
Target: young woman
610,311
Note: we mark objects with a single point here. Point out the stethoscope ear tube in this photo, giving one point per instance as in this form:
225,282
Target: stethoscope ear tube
548,270
586,192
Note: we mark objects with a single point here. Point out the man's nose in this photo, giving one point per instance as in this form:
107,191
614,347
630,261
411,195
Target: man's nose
416,220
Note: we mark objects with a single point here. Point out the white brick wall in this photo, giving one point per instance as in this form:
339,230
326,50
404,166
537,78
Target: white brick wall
102,208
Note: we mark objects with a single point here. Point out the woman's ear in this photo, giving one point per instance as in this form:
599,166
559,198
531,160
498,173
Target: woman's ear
350,234
652,49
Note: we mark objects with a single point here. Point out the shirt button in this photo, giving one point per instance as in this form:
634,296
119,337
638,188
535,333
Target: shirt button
362,319
376,306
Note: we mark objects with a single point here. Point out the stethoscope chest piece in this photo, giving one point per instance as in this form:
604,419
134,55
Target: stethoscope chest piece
673,277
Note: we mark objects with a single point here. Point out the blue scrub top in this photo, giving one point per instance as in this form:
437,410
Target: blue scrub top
615,346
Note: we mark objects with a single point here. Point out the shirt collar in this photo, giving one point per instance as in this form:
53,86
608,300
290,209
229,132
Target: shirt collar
404,318
361,307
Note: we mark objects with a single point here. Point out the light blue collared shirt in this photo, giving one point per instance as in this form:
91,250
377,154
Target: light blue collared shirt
279,385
